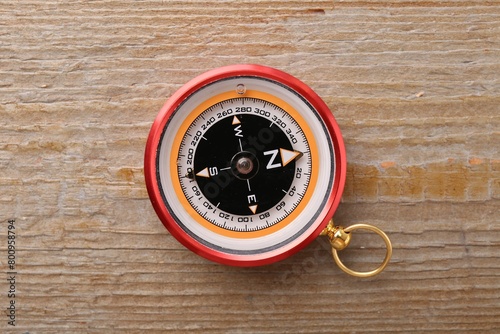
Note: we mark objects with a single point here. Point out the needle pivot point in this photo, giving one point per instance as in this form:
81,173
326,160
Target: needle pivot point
244,165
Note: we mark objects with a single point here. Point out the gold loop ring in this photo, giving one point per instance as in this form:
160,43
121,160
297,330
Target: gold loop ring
340,238
388,253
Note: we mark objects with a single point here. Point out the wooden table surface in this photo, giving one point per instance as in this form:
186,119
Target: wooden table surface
414,86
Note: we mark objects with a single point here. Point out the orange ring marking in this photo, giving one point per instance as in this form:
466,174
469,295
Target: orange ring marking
262,96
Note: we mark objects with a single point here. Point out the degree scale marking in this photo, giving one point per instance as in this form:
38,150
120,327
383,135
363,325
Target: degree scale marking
267,226
287,156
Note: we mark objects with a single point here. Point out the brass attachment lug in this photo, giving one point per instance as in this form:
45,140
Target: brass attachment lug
339,239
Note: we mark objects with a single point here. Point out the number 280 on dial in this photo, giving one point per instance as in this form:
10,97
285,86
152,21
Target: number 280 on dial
245,165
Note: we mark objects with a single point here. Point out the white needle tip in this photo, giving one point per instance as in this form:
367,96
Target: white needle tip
203,173
253,208
236,120
288,156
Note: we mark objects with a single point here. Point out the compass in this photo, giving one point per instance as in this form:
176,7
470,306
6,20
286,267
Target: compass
245,165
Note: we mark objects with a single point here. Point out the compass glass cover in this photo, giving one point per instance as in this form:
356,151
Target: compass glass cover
242,167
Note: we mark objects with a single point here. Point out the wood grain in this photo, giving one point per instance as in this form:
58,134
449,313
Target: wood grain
414,86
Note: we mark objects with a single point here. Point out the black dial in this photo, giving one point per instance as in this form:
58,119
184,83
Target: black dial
238,167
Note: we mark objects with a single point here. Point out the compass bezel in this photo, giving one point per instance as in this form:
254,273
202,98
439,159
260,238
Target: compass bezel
154,142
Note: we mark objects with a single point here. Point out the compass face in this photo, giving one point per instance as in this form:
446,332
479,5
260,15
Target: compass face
245,165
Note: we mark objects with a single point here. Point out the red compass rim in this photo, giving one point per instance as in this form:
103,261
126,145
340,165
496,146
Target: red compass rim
153,143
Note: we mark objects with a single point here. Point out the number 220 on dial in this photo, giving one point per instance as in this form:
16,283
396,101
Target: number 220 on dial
245,165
